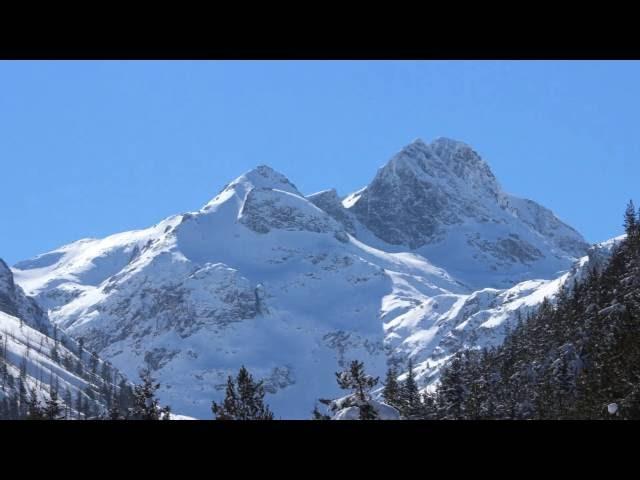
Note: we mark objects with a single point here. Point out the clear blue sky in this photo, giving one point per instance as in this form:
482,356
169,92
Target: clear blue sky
93,148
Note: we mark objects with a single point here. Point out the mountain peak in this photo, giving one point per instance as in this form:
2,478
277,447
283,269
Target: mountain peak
443,160
434,195
448,142
263,176
438,142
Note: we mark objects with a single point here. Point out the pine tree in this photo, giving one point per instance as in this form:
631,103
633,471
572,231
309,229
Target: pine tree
356,380
93,363
79,405
68,401
53,408
229,409
451,391
392,390
631,222
410,404
54,355
244,399
145,404
114,413
35,410
80,348
428,407
105,372
125,396
22,397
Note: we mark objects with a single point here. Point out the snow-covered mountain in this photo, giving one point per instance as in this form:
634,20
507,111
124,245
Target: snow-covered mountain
36,356
293,287
442,201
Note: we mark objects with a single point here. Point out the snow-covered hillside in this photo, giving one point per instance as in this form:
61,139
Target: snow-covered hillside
293,287
35,356
433,331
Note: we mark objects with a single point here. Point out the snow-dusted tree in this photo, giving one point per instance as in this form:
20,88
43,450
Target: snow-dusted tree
410,404
145,404
80,347
631,226
244,399
68,401
35,410
53,407
451,390
93,363
360,384
358,404
392,389
125,397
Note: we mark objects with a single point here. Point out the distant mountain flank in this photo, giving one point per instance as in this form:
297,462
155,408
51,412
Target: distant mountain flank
42,365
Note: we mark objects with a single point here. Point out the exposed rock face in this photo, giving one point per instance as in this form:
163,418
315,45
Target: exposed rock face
265,209
424,189
14,302
329,201
544,222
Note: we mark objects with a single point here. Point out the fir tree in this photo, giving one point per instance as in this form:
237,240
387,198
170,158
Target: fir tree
392,390
145,404
53,408
631,222
451,391
360,384
244,399
35,410
410,404
68,401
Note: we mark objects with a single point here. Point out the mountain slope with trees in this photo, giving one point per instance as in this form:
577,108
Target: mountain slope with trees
44,372
578,358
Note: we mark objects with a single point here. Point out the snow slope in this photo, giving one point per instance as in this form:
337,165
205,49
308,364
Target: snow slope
293,287
35,355
431,332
